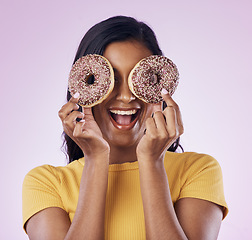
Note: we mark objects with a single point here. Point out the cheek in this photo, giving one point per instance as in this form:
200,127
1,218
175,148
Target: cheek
97,114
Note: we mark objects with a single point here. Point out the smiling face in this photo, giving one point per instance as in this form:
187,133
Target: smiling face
121,117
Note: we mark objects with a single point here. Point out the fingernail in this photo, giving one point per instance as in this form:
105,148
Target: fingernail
82,120
164,91
76,95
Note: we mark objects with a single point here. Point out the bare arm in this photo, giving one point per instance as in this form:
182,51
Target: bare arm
88,222
160,217
205,218
51,223
193,218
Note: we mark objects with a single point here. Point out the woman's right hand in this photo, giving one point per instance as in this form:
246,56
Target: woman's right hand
86,133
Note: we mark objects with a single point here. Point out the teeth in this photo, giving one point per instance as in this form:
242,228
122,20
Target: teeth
119,112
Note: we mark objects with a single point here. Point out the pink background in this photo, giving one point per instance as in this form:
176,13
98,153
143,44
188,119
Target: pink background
210,41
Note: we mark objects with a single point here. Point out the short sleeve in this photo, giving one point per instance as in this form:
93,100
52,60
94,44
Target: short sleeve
40,190
203,179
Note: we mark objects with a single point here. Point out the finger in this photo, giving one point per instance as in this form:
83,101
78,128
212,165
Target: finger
70,121
75,98
160,122
171,123
171,103
157,107
69,107
167,98
151,128
79,129
88,113
71,118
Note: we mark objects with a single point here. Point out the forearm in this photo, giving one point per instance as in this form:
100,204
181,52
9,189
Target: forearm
88,222
160,217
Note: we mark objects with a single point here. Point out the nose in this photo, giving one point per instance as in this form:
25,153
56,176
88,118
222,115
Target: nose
123,93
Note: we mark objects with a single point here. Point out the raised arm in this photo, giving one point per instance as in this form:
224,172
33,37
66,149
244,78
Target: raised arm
88,222
191,218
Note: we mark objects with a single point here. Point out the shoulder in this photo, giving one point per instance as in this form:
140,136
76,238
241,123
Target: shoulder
190,161
188,156
48,182
46,186
49,173
199,176
42,172
193,167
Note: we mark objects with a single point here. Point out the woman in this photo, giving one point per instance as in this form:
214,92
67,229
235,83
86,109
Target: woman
128,186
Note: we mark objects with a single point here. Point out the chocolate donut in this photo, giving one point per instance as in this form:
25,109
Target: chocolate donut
92,77
150,76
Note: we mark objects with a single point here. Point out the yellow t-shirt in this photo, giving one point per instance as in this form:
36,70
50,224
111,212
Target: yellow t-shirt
189,175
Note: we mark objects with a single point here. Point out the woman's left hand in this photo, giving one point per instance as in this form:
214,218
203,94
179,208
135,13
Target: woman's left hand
162,130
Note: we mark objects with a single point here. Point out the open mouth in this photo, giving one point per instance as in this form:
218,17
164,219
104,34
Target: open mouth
124,119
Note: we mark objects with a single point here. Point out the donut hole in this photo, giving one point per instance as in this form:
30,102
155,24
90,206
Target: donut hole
90,79
154,79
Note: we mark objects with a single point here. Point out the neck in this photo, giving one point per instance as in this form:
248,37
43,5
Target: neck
120,155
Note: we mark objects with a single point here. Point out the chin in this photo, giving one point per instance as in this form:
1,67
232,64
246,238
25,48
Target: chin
124,138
